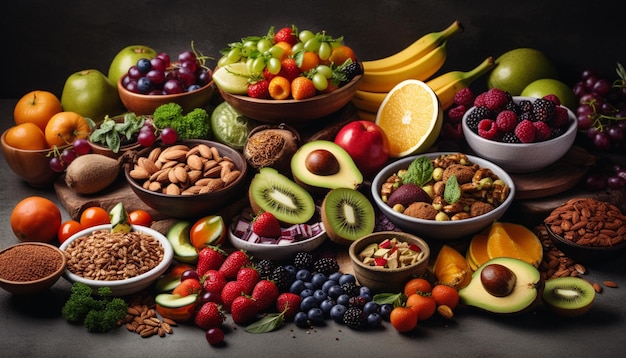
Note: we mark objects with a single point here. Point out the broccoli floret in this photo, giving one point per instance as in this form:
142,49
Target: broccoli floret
97,314
194,124
105,319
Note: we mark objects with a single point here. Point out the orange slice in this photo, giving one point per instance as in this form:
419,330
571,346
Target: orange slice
477,250
451,268
514,240
411,116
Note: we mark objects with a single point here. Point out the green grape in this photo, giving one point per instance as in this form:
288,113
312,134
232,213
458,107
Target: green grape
248,48
324,70
299,46
223,61
277,51
250,64
234,55
258,64
320,81
312,44
305,35
273,65
264,45
324,51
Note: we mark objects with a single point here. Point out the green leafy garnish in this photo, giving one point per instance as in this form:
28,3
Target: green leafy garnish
395,299
419,172
452,191
98,313
268,323
111,134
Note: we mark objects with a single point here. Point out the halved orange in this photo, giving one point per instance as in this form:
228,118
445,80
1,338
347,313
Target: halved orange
411,117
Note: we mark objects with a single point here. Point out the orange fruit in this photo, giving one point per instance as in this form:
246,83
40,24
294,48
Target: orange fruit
403,319
412,115
36,107
35,218
286,49
26,136
340,54
445,295
309,60
417,284
64,127
424,305
94,216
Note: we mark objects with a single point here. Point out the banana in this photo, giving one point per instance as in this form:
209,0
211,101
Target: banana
418,49
422,69
368,101
447,84
367,116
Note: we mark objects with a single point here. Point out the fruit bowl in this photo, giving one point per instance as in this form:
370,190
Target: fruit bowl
77,246
193,205
381,279
441,230
293,111
142,104
521,157
32,166
50,262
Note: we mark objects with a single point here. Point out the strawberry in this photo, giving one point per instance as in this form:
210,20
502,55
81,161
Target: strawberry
233,262
266,225
289,304
302,88
265,293
259,89
214,281
249,276
210,258
187,287
289,69
232,290
268,75
210,315
243,309
286,34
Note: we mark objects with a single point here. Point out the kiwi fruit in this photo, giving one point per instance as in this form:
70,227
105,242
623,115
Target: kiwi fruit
568,296
91,173
347,215
275,193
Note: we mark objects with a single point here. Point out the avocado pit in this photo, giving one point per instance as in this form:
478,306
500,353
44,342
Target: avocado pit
322,162
498,280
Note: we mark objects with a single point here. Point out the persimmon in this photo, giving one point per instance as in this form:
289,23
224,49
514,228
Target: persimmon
36,107
423,304
417,284
445,295
64,127
403,319
35,218
340,54
26,136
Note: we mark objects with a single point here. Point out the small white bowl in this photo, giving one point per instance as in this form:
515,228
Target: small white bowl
440,230
131,285
521,157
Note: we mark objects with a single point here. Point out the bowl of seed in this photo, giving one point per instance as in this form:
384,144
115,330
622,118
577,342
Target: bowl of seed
30,267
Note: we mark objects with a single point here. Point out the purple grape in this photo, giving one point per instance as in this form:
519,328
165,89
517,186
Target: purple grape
189,274
56,164
595,182
81,146
615,182
67,156
173,86
602,141
169,136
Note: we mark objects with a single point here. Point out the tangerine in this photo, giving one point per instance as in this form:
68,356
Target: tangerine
26,136
309,60
36,107
35,218
403,319
416,285
64,127
340,54
445,295
423,304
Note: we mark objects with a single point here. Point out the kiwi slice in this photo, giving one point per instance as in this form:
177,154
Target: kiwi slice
275,193
347,215
568,296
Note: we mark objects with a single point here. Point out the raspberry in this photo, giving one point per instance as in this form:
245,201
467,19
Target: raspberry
543,109
496,99
455,114
525,131
553,98
488,129
560,118
506,121
542,131
479,101
464,97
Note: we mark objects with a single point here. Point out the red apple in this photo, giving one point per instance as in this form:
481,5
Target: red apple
366,143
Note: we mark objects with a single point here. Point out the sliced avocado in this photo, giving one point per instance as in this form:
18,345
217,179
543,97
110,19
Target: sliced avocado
119,218
170,300
324,164
527,290
178,236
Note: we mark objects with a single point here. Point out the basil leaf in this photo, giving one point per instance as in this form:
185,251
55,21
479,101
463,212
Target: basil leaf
419,172
452,191
270,322
113,142
387,298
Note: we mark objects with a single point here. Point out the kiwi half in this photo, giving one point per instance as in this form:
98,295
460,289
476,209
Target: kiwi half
275,193
347,215
568,296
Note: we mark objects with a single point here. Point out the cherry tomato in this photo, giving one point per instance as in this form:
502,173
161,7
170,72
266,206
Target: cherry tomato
140,217
68,229
93,216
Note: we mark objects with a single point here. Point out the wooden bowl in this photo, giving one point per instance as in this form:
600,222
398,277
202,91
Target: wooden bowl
293,111
585,254
35,285
98,148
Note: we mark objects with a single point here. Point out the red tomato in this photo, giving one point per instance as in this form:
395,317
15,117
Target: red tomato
68,229
93,216
140,217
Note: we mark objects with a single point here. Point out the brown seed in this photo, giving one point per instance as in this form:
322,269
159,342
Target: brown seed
445,311
170,322
597,287
610,284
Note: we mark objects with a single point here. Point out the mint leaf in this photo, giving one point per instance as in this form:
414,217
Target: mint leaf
452,191
419,172
270,322
388,298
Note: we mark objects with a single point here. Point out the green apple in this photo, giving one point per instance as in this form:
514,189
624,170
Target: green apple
126,58
91,94
545,86
517,68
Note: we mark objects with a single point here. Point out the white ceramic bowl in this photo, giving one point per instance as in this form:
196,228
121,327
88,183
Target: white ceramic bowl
131,285
440,230
521,157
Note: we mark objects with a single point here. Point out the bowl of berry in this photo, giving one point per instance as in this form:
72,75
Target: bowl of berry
301,76
519,134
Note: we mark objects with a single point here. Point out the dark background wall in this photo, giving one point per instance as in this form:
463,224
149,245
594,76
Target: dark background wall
45,41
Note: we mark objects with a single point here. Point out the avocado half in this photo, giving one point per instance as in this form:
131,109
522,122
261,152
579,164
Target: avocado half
526,292
347,176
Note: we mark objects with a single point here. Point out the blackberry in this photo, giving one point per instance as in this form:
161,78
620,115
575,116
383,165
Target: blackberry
476,115
350,288
543,109
526,115
355,318
357,301
512,106
510,137
265,268
350,71
525,106
303,260
326,265
281,277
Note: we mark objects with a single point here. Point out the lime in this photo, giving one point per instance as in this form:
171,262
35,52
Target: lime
519,67
229,126
232,78
546,86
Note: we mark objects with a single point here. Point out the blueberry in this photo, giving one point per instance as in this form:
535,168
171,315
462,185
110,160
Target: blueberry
291,269
328,284
347,277
385,310
193,88
309,285
144,85
304,275
336,291
307,303
144,65
297,287
306,293
335,276
337,312
301,320
343,299
374,320
364,289
367,296
371,307
320,295
316,316
318,279
327,305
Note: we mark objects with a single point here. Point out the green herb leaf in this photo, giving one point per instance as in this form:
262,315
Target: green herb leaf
419,172
270,322
388,298
452,191
113,141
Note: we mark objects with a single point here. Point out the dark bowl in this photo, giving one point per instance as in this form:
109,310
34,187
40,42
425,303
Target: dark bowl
585,254
40,284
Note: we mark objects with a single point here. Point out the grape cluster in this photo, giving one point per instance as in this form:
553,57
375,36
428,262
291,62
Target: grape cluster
606,174
60,161
159,76
601,110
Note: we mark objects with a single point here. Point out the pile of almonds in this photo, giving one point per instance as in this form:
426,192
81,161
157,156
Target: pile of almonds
141,318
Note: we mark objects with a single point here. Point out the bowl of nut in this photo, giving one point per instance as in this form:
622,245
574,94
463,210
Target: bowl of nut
125,262
188,179
385,260
30,267
543,141
573,228
443,195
